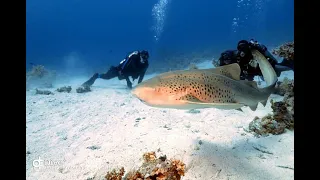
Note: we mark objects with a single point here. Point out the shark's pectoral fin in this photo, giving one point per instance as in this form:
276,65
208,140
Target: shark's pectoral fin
189,98
225,106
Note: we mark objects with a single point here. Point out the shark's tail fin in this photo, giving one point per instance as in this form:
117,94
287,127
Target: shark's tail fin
267,70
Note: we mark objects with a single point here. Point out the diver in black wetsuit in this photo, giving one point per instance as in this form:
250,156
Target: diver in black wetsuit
243,57
135,65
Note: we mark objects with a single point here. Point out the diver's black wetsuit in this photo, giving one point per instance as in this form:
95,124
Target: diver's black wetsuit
232,56
247,71
133,65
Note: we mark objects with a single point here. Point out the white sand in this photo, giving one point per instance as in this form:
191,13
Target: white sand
60,127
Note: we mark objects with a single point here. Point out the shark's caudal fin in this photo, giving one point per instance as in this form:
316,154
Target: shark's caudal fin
267,70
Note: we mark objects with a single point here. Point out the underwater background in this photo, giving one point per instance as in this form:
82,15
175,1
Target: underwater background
87,134
80,37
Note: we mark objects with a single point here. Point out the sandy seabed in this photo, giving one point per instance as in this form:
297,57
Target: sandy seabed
84,135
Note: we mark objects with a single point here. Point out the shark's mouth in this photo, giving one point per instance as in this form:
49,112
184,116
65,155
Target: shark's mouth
142,101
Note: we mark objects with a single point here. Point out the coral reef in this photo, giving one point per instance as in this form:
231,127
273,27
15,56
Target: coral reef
285,50
283,113
285,87
83,89
153,168
45,92
64,89
266,125
40,77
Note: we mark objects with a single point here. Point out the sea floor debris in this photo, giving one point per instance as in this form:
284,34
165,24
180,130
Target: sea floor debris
153,168
64,89
44,92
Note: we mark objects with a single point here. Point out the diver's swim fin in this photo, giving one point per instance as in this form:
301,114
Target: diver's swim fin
91,80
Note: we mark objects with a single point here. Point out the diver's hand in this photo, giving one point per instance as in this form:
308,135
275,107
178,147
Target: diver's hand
129,84
253,63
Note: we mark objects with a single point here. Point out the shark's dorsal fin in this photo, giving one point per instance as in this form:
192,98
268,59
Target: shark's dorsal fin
251,83
231,70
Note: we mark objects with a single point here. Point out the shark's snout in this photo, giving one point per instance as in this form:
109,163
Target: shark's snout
142,100
135,93
139,93
146,94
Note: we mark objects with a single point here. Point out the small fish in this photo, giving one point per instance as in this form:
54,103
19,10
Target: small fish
218,87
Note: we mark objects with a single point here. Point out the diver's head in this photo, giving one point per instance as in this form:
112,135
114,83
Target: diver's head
252,41
144,56
243,47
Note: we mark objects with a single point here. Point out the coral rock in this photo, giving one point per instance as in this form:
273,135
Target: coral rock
286,51
154,168
45,92
65,89
114,175
285,87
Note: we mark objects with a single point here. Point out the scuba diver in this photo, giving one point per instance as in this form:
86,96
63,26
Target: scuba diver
135,65
244,58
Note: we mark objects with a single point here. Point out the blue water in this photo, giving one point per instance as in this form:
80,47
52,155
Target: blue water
94,34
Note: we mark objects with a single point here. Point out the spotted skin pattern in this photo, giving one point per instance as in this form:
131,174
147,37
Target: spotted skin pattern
197,88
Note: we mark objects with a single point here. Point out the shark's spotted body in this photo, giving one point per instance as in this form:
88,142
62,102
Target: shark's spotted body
196,86
219,87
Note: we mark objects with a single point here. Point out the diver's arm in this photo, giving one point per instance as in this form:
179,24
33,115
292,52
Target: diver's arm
141,76
129,84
